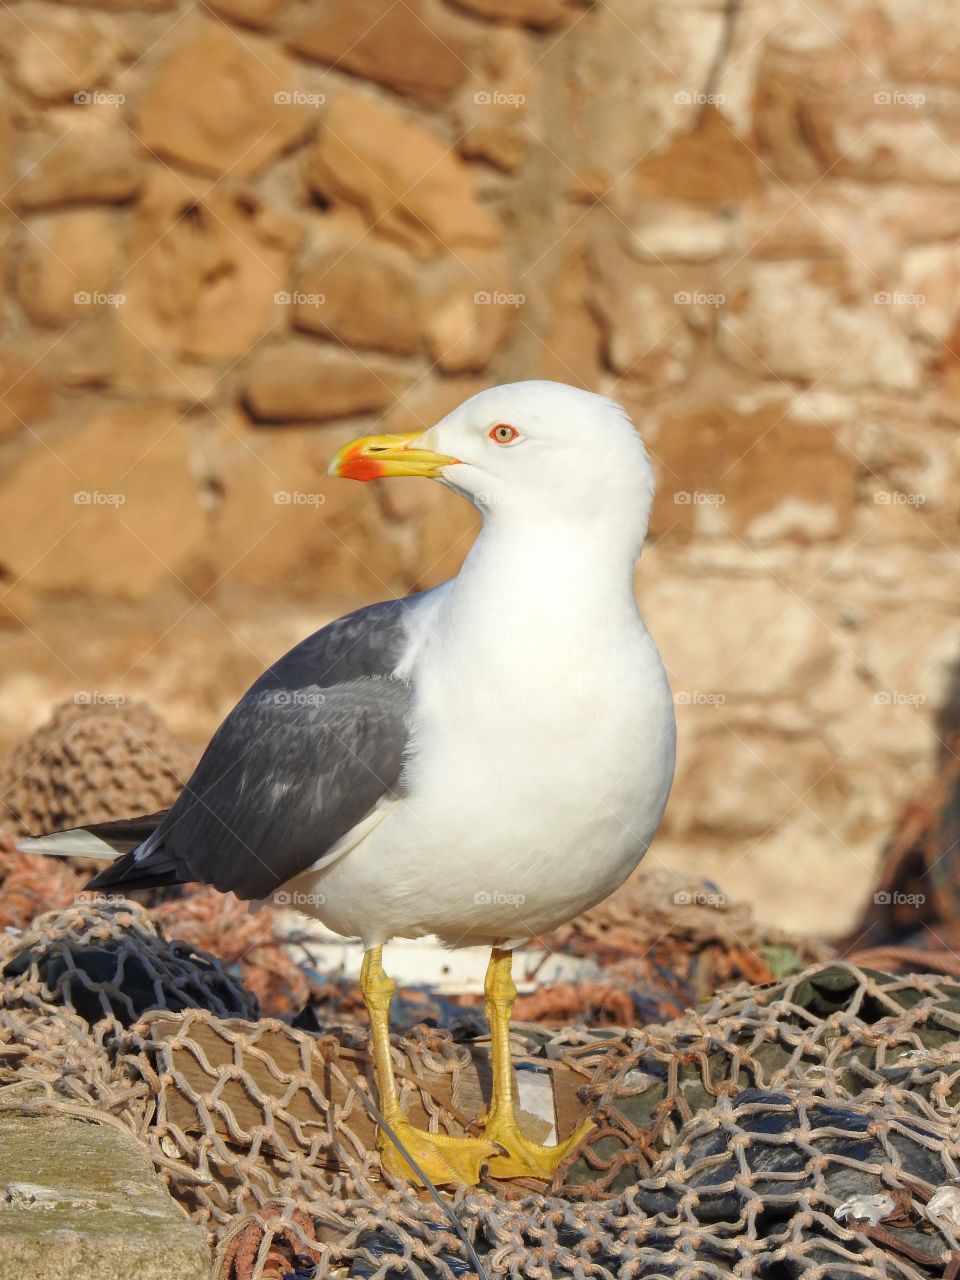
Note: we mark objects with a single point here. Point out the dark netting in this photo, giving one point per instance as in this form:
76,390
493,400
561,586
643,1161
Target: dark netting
851,1033
103,961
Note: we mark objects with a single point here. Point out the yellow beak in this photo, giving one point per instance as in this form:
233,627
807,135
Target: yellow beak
372,457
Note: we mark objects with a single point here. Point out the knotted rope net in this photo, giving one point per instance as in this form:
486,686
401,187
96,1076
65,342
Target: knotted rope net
806,1128
91,761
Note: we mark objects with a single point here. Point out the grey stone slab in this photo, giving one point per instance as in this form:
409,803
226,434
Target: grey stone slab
81,1200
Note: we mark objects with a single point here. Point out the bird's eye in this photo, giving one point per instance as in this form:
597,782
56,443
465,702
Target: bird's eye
503,433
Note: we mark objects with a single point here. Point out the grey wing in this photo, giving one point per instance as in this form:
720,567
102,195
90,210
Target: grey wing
304,756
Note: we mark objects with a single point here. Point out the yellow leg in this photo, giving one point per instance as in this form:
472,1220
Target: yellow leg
441,1157
521,1158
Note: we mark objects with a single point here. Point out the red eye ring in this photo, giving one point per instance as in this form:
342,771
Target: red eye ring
503,433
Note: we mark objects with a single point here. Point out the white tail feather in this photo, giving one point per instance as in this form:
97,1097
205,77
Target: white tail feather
68,844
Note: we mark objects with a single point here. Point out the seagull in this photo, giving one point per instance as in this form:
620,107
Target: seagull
481,761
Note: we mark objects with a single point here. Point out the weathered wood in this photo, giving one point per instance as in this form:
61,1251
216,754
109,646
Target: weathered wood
280,1075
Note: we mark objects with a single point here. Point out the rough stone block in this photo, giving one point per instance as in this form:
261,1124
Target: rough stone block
82,1200
399,46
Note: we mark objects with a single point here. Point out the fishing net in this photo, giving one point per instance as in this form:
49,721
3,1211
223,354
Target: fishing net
806,1128
664,942
93,760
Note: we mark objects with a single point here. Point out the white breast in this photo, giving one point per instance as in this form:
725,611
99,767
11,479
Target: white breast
541,758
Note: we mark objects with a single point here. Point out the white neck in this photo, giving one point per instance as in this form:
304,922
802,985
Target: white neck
548,568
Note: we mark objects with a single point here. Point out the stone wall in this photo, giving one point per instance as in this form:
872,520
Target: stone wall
237,234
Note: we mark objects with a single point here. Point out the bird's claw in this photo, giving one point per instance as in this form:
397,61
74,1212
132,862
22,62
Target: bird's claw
442,1157
523,1158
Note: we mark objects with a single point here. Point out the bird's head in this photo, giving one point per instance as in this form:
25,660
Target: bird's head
540,447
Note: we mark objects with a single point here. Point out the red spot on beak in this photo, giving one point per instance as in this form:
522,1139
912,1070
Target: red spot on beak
362,469
356,465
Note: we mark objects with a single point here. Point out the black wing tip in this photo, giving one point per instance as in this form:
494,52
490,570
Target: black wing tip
128,874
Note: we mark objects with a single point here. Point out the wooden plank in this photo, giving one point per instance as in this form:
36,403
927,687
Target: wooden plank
209,1063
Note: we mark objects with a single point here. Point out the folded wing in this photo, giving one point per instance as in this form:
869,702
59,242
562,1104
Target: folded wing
302,759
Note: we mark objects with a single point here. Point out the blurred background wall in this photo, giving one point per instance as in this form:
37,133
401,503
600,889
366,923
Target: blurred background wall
237,233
